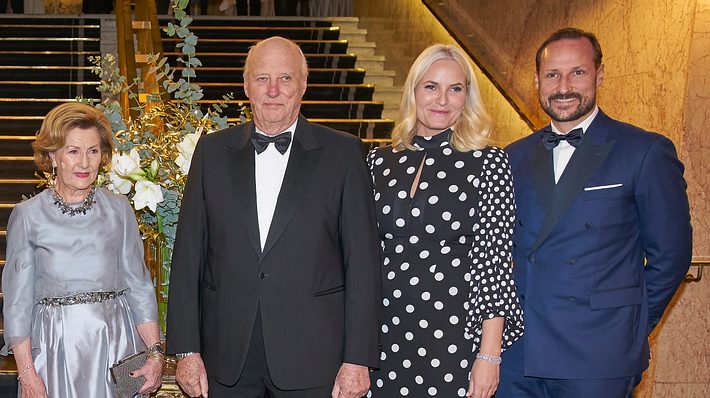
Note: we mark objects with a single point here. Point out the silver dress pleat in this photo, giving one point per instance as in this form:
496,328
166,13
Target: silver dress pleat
80,343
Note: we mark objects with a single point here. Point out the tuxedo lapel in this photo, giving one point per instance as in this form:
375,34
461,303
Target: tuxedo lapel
302,160
542,172
244,182
584,162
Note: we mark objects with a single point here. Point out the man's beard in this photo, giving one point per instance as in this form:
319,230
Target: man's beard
585,106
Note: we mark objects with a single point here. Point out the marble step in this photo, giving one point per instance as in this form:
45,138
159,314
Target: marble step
243,45
237,59
53,58
12,190
371,62
314,92
315,75
323,109
345,22
380,77
54,89
17,167
362,48
20,125
41,72
263,32
15,146
310,108
253,23
388,95
50,43
5,210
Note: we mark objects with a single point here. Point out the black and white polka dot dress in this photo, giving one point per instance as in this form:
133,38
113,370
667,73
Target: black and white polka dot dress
446,263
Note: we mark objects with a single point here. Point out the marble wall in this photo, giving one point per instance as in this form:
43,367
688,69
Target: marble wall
657,58
402,29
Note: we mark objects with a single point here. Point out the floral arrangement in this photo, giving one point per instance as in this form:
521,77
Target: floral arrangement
153,150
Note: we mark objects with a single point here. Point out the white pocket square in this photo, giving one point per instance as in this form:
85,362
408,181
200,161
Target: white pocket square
598,187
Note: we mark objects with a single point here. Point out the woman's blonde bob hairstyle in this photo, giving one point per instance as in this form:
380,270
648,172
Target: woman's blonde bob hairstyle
473,128
62,119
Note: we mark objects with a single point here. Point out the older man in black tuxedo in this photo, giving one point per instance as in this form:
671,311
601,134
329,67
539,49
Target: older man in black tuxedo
275,284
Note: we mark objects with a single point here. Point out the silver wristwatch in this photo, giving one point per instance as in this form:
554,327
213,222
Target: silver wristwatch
156,348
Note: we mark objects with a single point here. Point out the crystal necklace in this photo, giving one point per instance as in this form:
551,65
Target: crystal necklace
72,210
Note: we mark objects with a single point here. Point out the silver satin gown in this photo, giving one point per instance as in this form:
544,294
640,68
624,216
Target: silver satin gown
50,254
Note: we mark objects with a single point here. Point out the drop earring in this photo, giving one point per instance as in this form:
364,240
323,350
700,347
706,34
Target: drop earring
53,177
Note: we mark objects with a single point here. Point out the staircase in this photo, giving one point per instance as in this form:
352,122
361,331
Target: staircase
344,80
43,62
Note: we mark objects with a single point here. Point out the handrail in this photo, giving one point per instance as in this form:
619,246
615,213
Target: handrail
143,34
700,262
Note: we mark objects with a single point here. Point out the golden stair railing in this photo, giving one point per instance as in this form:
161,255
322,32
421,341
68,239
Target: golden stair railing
137,38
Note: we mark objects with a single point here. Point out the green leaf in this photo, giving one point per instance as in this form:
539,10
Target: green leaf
187,72
191,39
185,21
182,32
193,61
170,29
188,49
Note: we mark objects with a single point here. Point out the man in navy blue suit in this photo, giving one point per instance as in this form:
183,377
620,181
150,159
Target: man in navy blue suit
602,238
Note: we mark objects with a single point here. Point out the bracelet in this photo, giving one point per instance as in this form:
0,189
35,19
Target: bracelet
182,355
24,370
489,358
156,352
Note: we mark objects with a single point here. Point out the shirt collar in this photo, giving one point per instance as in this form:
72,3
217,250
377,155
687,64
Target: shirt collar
291,128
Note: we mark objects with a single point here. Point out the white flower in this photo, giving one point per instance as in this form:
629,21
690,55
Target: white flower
147,194
120,185
185,150
126,166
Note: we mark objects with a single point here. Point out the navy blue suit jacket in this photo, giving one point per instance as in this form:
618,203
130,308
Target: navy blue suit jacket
598,255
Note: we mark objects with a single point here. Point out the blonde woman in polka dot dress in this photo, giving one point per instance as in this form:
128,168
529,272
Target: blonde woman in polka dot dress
445,212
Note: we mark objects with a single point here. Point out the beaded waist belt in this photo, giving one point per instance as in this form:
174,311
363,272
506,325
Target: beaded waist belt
80,298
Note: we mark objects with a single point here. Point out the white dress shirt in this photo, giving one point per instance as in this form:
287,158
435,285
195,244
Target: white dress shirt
563,151
269,168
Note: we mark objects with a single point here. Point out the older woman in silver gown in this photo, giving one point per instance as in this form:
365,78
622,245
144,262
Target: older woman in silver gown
77,295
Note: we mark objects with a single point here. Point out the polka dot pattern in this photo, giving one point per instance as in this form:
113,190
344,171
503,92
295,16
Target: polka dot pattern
446,264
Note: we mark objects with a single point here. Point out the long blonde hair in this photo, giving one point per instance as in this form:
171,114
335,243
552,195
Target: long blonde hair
473,128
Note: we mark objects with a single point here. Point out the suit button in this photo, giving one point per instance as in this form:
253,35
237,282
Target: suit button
531,259
573,260
588,225
263,275
572,299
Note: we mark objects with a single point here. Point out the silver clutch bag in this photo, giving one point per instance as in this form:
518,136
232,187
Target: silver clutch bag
125,385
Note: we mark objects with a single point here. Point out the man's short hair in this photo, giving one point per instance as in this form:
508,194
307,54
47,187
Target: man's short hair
571,33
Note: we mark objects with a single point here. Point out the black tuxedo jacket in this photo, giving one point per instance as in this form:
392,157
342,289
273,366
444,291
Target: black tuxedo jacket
317,282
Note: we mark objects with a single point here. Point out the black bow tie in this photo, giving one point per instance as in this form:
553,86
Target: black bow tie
551,139
261,141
